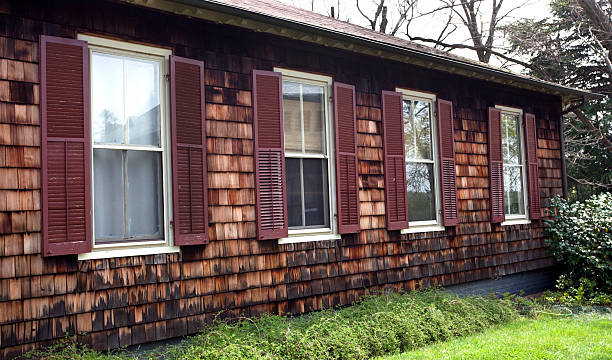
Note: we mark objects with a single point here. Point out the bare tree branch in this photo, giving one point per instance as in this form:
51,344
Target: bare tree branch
596,133
471,47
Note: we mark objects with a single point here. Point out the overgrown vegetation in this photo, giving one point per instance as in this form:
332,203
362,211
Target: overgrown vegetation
581,240
378,325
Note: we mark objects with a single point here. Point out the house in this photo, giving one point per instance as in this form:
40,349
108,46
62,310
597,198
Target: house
161,161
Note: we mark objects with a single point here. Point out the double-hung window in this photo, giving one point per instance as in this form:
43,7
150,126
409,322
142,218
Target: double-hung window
308,156
513,151
130,153
422,165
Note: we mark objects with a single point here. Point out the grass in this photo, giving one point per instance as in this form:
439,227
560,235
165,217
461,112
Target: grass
587,336
376,326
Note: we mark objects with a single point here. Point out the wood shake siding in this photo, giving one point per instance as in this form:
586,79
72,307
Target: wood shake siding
131,300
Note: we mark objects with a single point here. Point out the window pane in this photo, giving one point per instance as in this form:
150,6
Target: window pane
142,101
510,138
144,189
513,190
292,121
108,194
107,98
417,129
421,198
314,118
316,207
294,192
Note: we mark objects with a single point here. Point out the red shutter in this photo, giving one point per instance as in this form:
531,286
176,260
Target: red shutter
446,138
270,177
496,167
190,198
396,196
347,180
531,141
65,146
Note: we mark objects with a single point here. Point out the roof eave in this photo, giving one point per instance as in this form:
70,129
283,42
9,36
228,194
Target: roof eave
448,64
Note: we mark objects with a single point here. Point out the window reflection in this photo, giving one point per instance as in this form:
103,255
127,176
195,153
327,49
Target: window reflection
420,175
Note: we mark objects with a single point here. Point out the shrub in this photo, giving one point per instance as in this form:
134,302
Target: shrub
377,325
582,240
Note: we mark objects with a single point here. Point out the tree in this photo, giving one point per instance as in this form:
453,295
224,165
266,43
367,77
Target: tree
573,48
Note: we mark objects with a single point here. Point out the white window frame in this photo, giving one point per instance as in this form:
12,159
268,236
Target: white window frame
165,245
515,219
427,225
328,233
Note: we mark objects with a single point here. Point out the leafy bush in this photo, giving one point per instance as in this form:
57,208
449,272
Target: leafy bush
585,293
378,325
582,240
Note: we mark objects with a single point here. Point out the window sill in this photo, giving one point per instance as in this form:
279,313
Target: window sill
293,239
516,222
421,229
105,253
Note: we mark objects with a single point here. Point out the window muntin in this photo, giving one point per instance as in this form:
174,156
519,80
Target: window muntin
130,189
514,163
422,168
306,154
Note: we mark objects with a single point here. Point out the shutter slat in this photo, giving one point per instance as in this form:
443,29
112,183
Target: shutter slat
270,177
496,167
531,141
446,141
65,146
347,180
190,198
396,195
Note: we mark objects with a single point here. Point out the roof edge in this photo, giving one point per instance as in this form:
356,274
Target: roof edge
448,64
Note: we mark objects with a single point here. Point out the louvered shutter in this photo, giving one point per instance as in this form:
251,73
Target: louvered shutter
65,146
347,181
396,196
190,197
496,167
446,138
270,177
531,141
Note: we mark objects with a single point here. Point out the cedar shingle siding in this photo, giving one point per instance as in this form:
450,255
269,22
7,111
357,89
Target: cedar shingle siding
131,300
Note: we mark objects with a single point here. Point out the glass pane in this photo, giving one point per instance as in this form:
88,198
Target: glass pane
294,192
292,121
417,129
144,193
314,118
107,98
108,194
513,190
142,101
316,207
510,138
421,198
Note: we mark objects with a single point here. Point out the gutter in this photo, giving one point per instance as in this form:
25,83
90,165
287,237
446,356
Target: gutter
219,6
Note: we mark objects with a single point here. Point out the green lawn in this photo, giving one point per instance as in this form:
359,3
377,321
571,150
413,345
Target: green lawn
587,336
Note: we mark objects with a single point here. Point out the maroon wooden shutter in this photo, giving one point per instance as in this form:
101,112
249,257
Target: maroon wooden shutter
396,196
496,167
347,180
446,138
65,146
270,176
190,197
531,141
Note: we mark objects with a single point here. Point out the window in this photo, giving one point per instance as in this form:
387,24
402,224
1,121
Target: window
513,150
129,145
422,166
308,154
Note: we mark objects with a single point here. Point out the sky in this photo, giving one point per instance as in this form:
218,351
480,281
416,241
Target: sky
430,25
